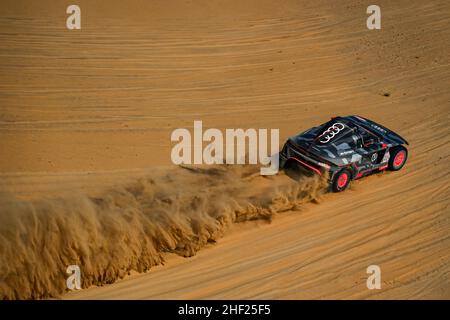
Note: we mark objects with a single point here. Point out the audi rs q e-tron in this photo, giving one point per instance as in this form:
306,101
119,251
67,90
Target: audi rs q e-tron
348,148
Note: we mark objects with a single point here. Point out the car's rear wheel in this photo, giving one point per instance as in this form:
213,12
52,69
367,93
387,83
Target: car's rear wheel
398,157
341,180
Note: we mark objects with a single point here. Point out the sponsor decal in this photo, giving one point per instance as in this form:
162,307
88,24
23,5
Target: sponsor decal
343,153
331,132
378,128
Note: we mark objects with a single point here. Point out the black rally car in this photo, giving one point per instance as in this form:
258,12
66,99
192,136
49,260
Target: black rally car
348,148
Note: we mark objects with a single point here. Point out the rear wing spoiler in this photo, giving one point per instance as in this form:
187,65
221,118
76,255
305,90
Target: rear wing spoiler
379,130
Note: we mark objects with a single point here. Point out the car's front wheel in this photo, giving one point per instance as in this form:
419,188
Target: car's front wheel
341,180
398,156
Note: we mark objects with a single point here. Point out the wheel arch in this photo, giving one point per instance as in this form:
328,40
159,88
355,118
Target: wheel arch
349,167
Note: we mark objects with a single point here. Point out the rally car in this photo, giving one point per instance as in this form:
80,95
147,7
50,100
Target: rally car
347,148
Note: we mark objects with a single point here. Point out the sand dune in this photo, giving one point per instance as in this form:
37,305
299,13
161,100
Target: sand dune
91,111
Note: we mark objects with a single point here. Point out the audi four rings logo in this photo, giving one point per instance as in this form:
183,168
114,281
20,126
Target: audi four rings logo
332,131
374,157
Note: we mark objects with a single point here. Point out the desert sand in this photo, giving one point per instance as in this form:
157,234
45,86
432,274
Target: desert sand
85,172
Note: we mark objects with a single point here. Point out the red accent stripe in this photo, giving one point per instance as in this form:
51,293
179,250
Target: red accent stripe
307,165
382,168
